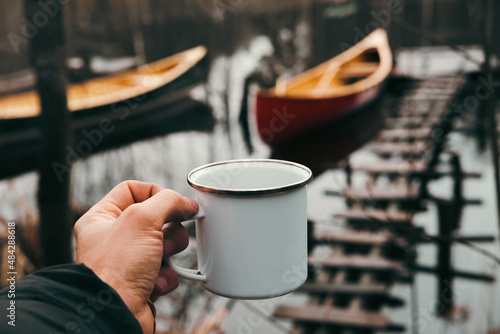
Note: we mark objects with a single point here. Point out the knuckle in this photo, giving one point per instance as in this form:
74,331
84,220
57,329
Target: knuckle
77,229
124,184
135,211
173,196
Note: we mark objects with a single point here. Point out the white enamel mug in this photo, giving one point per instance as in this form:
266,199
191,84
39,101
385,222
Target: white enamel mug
251,231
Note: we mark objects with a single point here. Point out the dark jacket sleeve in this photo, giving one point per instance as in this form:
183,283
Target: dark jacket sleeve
65,299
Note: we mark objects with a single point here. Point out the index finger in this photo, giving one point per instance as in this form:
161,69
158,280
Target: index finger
125,194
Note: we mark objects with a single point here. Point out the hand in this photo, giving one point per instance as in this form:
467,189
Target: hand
122,241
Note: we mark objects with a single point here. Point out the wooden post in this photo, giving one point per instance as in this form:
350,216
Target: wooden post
47,58
138,36
444,305
489,104
449,221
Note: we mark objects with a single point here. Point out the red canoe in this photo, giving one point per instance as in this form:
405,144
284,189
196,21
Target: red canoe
326,92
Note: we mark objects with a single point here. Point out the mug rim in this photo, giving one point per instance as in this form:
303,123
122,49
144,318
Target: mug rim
256,191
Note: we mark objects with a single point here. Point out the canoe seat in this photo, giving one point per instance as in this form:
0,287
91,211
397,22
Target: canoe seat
358,70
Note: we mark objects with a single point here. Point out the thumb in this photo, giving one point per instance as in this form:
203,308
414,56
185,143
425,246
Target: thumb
165,206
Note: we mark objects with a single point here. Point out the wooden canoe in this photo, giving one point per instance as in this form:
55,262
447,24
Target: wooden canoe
326,92
109,90
161,105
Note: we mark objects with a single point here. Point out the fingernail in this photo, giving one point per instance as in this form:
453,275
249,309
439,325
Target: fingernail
193,203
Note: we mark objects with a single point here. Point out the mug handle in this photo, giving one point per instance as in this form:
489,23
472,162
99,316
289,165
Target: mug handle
191,274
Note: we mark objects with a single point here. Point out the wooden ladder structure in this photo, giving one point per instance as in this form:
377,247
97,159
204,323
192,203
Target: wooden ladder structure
350,282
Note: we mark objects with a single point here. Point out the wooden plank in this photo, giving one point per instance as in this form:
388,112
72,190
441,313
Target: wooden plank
394,166
407,168
455,273
404,148
370,297
333,315
377,215
357,289
428,111
413,121
405,134
441,101
449,87
389,193
434,90
370,262
213,323
356,237
457,80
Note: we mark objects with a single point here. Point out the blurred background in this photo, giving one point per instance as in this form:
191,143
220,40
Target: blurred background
437,274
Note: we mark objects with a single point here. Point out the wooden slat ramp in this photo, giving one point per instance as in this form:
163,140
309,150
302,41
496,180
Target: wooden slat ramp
351,272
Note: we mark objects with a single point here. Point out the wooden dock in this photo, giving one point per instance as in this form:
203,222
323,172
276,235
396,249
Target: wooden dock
352,270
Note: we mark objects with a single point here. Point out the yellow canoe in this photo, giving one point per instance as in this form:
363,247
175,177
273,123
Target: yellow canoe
111,89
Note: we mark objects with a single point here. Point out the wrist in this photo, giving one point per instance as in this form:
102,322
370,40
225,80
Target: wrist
144,311
146,318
